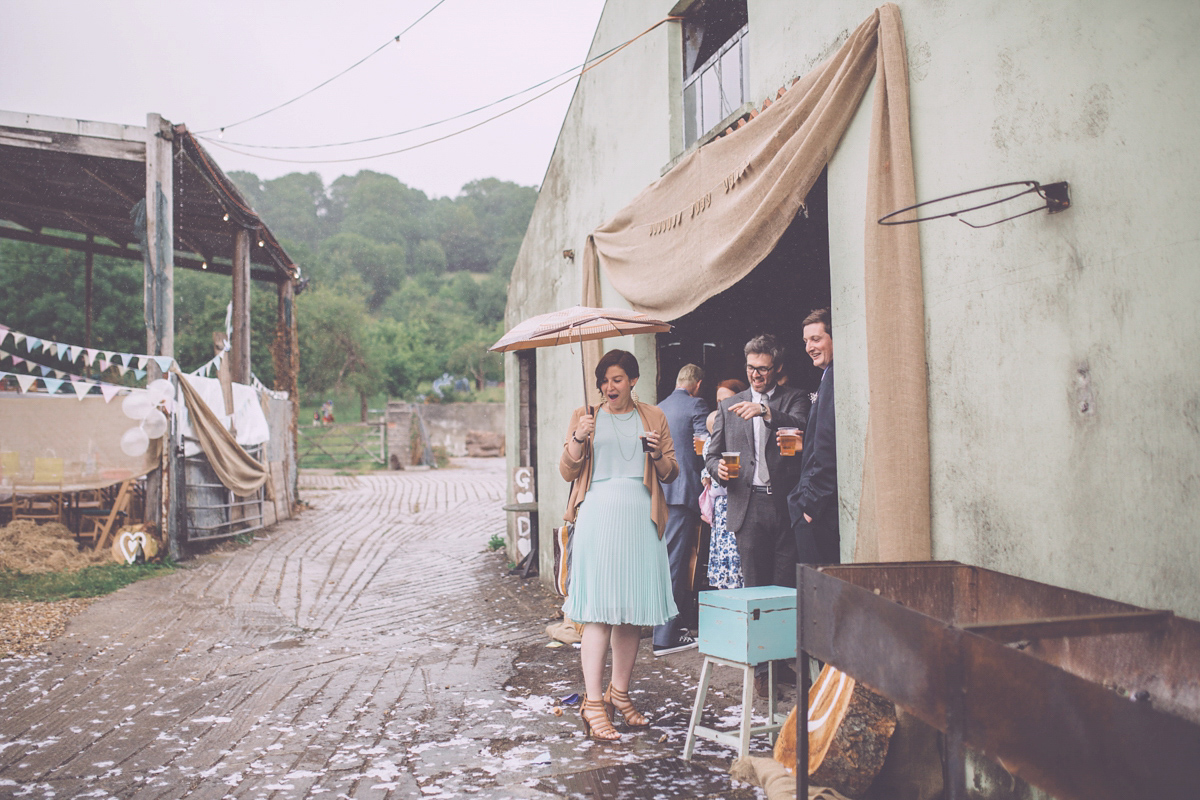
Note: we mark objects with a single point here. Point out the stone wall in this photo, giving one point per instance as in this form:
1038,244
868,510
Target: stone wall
448,425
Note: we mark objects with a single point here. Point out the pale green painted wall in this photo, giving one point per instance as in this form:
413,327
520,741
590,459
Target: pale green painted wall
1100,94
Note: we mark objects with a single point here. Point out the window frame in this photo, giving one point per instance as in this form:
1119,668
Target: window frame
713,63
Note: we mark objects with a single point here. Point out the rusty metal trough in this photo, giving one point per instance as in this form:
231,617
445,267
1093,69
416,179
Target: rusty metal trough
1081,696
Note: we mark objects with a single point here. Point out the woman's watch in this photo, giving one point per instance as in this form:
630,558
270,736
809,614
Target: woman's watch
577,441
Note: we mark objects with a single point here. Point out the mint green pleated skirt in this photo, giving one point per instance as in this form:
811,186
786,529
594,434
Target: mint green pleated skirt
619,571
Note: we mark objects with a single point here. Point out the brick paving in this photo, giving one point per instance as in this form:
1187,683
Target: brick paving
372,648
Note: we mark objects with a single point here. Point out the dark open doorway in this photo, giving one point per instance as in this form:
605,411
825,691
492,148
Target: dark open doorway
774,298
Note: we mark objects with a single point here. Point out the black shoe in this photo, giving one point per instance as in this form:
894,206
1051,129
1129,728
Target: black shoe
685,642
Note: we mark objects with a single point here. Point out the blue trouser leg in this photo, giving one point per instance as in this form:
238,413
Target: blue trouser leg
683,523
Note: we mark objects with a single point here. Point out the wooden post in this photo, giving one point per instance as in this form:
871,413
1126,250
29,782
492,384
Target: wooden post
285,355
240,342
89,259
159,295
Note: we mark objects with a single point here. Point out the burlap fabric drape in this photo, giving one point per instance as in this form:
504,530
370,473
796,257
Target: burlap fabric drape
707,223
235,468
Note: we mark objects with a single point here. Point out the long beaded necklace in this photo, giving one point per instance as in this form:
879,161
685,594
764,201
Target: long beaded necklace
623,435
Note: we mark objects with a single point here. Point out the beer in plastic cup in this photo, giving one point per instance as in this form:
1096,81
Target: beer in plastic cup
698,444
733,463
646,448
790,440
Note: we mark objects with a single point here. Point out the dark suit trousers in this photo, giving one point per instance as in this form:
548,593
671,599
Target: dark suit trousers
817,542
765,542
683,524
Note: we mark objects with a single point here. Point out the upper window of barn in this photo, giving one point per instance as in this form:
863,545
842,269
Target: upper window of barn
715,59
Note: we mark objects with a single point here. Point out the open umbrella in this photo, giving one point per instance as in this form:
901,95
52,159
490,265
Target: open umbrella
577,324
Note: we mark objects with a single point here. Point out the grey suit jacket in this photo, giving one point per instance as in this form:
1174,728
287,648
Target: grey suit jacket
789,409
685,417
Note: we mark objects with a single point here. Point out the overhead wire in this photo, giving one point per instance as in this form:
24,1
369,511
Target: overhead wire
408,130
586,67
323,83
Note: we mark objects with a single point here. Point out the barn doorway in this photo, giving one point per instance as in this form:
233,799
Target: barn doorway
774,298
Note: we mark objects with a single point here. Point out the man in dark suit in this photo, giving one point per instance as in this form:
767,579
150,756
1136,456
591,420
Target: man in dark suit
747,422
686,414
757,511
813,504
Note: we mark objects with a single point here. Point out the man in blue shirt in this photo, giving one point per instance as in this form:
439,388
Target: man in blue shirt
686,414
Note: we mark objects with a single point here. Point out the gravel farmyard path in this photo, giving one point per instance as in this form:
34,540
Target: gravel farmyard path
29,628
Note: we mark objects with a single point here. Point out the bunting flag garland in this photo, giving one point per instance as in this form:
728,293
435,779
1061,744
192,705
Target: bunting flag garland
81,386
89,355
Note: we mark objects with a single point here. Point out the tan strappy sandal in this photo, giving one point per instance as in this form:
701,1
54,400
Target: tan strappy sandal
596,722
616,699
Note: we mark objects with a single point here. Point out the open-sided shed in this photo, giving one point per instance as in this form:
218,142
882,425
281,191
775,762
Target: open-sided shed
150,194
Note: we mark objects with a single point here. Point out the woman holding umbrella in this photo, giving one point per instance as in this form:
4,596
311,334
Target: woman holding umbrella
620,579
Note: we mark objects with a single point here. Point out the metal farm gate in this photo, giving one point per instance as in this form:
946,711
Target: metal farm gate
213,511
343,444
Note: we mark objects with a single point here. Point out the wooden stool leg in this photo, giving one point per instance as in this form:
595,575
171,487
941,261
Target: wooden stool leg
747,709
697,708
771,699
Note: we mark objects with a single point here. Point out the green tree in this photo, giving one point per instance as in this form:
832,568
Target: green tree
461,237
429,258
379,207
381,266
42,292
201,302
337,344
472,358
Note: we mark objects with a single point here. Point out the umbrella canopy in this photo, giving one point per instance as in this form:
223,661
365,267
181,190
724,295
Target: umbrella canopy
577,324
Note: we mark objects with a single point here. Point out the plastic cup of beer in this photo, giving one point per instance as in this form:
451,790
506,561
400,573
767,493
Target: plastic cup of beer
646,448
789,441
733,463
698,444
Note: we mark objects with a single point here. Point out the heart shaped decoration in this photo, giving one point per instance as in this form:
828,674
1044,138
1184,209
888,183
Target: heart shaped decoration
127,543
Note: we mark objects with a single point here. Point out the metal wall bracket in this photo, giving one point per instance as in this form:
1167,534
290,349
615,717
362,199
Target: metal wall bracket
1057,197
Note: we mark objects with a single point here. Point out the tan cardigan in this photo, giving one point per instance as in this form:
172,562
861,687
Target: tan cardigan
665,469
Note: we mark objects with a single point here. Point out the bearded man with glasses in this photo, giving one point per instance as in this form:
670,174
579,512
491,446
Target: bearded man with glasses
758,511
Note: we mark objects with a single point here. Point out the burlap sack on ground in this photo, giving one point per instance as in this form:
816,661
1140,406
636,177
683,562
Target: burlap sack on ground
779,784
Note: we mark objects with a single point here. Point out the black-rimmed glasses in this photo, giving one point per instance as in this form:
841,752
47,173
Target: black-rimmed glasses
760,371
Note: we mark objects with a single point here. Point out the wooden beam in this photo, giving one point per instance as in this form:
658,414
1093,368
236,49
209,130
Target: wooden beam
265,274
159,294
71,143
240,343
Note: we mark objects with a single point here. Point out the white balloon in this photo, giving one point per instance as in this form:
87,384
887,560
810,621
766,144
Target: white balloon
134,442
155,424
160,390
137,405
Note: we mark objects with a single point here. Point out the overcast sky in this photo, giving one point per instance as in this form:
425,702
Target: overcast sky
212,63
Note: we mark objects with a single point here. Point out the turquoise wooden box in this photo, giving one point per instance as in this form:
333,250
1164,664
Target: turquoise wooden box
750,625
